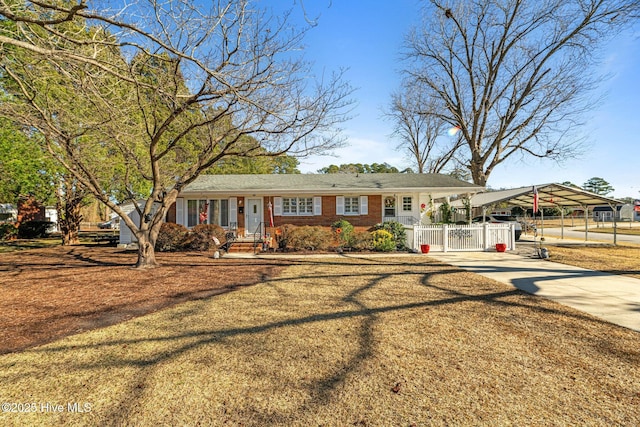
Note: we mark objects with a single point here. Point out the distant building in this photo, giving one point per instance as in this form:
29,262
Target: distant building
625,212
8,212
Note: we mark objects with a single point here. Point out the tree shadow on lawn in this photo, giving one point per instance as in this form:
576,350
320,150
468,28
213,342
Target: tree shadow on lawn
52,293
320,391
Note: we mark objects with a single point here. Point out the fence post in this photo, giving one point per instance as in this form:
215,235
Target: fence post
512,235
485,236
445,238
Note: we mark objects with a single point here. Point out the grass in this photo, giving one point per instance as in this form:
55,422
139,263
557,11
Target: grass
619,230
8,246
341,341
621,259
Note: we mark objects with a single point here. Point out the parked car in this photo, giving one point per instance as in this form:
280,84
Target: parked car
108,225
501,219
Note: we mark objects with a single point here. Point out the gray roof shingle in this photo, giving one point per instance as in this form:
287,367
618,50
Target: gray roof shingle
329,183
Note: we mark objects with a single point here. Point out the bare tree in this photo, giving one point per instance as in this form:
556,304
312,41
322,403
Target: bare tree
420,130
513,75
158,92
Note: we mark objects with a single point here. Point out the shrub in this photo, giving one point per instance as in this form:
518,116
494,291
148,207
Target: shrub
201,238
171,237
8,230
282,235
362,241
398,232
383,241
445,212
34,229
343,231
309,238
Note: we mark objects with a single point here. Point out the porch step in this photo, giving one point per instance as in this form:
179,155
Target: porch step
244,247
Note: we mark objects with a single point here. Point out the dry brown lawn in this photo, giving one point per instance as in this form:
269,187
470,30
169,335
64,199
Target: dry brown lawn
622,260
620,230
53,292
323,341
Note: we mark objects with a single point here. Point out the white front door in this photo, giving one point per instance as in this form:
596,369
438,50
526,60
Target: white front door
254,215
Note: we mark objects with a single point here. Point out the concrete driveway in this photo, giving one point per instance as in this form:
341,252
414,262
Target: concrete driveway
615,299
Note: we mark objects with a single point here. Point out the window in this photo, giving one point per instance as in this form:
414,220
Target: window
197,212
390,206
208,212
219,212
351,206
297,205
407,205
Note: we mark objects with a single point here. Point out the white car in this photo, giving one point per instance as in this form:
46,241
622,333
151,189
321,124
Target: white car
501,219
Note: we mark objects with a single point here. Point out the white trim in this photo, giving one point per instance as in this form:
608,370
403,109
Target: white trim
180,211
277,206
317,205
364,205
339,205
233,211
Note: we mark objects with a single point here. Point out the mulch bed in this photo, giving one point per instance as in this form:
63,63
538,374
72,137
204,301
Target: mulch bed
54,292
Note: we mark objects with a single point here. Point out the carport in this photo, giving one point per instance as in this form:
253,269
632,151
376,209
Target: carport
549,195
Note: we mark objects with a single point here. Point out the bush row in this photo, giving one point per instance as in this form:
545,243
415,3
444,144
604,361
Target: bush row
176,237
386,237
26,230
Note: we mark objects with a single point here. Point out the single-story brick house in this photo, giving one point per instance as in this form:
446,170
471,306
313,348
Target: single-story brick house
247,203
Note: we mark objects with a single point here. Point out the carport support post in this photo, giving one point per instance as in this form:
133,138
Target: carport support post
615,223
562,222
586,223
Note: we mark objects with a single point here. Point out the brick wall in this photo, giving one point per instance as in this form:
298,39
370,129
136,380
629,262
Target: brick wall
329,214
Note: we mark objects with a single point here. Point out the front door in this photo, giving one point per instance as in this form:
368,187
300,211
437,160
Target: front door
254,215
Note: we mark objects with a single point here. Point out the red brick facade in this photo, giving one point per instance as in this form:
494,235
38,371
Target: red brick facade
329,215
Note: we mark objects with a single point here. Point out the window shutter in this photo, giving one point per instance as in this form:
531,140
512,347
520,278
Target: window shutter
277,206
180,211
233,212
364,205
317,205
339,205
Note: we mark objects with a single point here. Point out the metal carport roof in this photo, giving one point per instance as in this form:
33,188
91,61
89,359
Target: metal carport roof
549,195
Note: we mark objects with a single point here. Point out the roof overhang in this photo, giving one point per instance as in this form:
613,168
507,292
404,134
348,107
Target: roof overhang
549,195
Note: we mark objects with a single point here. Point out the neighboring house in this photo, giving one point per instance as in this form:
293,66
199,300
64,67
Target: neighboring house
249,204
125,235
244,202
8,212
625,212
51,215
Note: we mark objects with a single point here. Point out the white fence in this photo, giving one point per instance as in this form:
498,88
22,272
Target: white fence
475,237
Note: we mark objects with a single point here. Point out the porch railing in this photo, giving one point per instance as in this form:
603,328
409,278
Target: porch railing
257,236
406,220
475,237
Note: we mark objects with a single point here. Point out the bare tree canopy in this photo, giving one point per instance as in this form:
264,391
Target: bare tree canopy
160,91
512,75
418,126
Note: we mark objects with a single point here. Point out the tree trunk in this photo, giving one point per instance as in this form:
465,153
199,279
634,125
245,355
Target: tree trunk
69,232
146,252
69,219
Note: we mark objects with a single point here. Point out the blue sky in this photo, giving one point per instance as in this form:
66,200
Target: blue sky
366,37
